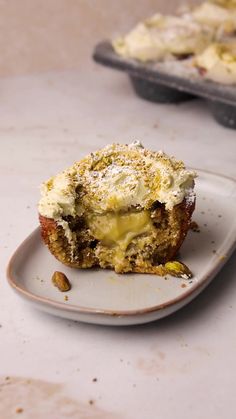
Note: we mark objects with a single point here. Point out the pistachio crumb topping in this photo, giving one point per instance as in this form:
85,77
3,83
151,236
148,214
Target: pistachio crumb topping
114,179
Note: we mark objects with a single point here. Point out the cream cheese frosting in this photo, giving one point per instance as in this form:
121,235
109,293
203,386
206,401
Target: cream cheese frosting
58,195
219,63
115,179
160,36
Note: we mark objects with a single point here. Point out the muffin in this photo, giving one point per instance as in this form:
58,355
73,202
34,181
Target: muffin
163,37
218,63
220,15
123,207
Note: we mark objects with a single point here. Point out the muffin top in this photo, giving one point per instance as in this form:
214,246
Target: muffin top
219,15
117,178
219,62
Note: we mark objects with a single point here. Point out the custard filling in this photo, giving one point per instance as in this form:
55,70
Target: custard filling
118,230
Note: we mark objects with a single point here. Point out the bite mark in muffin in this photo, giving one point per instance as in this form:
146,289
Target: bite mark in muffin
122,207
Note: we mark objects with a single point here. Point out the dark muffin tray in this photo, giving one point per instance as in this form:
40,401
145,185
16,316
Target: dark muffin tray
172,82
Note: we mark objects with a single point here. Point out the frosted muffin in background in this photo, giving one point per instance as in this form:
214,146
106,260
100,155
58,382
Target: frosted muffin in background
162,37
218,63
220,15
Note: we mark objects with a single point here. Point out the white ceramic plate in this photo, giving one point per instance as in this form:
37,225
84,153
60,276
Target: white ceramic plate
103,297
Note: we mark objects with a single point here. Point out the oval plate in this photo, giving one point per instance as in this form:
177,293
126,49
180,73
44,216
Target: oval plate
104,297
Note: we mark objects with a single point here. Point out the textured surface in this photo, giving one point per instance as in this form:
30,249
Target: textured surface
185,361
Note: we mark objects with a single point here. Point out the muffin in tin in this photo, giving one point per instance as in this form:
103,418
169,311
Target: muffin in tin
163,37
220,15
218,63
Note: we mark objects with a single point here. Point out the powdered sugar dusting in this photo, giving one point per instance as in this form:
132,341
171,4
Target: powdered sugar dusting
117,178
190,197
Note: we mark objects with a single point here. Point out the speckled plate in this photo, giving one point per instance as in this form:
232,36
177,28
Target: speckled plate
103,297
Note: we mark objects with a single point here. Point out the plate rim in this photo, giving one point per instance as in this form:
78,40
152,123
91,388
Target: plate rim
72,308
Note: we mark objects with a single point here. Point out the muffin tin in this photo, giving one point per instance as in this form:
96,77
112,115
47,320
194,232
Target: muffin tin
172,82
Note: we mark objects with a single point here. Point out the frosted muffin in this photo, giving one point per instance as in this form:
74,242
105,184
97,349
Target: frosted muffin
161,37
218,63
219,15
122,207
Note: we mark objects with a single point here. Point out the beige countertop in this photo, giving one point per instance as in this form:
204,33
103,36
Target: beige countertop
179,367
